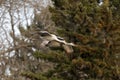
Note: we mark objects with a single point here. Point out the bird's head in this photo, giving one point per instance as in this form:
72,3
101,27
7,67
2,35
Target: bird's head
44,33
41,33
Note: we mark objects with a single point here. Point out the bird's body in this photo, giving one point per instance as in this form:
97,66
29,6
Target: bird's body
48,38
54,37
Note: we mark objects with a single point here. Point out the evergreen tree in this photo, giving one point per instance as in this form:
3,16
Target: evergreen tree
94,30
116,11
90,26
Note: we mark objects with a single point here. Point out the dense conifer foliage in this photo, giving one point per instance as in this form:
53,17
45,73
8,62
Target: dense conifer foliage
96,32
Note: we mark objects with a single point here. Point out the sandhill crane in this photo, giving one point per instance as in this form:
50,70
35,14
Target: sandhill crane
48,38
52,37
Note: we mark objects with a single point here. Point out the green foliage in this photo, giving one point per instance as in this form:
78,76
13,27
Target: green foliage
95,31
34,76
91,27
52,56
38,76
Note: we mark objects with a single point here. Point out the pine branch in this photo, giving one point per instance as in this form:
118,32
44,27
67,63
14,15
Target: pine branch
52,56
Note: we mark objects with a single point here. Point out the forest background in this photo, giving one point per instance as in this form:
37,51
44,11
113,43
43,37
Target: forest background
94,28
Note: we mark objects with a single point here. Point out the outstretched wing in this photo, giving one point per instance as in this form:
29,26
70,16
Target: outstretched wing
60,38
44,33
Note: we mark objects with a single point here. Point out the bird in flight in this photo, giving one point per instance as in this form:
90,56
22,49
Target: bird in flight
52,37
48,38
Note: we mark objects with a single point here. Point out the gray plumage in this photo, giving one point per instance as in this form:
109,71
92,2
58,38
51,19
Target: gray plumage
55,41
